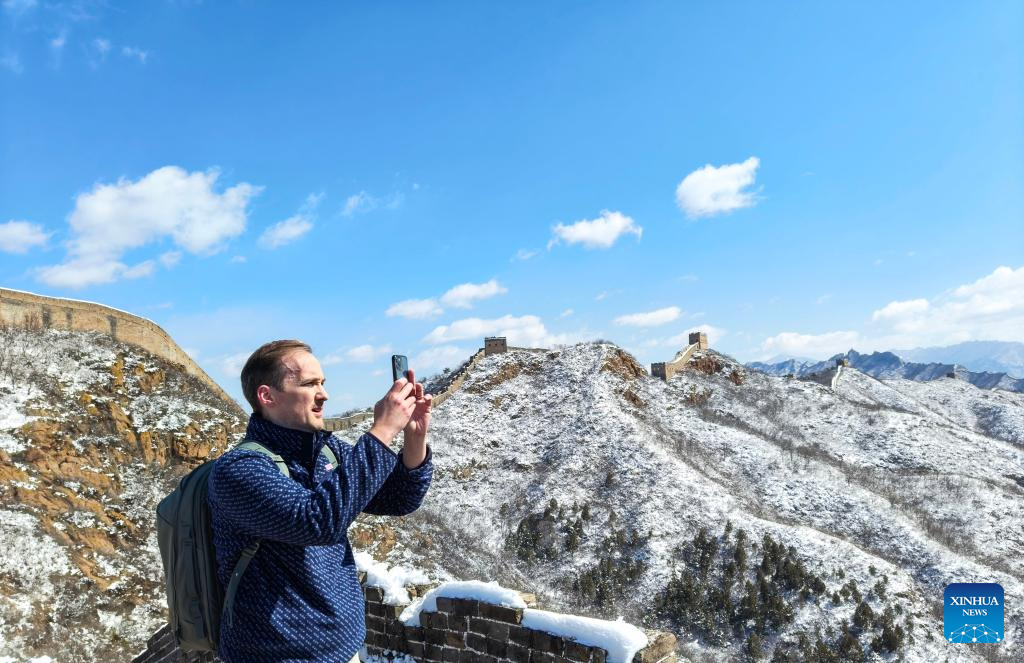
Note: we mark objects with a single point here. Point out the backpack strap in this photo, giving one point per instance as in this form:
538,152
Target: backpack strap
250,550
253,445
236,577
331,458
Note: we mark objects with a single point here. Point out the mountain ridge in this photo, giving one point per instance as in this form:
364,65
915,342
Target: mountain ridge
573,473
891,365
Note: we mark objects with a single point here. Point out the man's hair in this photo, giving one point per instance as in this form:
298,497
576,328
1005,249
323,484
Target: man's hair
265,367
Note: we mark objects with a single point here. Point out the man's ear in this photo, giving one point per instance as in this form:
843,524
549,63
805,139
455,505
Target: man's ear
264,396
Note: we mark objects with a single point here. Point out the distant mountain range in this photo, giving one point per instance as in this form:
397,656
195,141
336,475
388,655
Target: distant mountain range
983,356
985,364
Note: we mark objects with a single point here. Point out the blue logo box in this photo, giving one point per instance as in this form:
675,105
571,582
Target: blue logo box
974,612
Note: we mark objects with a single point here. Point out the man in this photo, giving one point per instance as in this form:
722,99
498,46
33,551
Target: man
299,598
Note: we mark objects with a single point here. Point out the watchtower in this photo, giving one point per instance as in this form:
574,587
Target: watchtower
494,345
842,362
701,339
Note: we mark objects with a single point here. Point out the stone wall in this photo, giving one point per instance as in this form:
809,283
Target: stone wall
495,345
666,369
22,308
472,631
459,378
826,377
459,631
336,424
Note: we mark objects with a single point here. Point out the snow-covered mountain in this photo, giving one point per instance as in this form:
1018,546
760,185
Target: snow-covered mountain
888,365
982,356
92,434
740,510
573,473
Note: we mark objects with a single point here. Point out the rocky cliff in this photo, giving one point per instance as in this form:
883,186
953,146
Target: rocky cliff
93,432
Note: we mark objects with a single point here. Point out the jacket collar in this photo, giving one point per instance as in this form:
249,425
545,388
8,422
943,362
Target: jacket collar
291,444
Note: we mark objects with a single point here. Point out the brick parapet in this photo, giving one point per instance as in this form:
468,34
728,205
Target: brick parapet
458,631
468,630
666,369
17,308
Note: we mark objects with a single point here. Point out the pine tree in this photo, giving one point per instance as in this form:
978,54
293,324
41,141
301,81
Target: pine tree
863,616
849,648
755,647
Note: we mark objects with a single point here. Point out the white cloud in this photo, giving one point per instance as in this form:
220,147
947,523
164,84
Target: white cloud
294,227
415,309
19,6
58,42
991,308
168,202
599,233
102,46
20,236
361,354
523,254
526,330
660,316
463,296
434,359
355,202
238,259
895,310
824,299
77,273
285,232
170,258
365,354
713,190
566,313
363,202
140,270
715,334
791,344
231,365
605,294
687,278
136,53
12,62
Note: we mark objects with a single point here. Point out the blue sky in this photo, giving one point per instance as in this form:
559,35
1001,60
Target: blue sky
408,177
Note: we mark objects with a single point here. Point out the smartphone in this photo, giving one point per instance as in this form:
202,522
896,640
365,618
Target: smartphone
399,366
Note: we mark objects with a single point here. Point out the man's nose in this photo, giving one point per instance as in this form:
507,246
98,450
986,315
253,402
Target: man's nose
323,394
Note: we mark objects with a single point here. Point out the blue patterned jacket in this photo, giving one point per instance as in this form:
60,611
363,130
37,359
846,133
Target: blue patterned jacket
299,599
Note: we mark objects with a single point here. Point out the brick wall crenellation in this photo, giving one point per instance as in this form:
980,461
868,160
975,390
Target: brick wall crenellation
473,631
458,631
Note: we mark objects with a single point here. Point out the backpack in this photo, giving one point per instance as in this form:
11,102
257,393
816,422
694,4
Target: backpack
197,604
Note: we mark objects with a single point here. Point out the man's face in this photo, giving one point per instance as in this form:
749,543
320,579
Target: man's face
299,403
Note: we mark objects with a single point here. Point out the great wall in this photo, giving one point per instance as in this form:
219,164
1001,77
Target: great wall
26,309
459,630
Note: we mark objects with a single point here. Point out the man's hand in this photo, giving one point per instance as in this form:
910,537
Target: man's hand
391,414
404,408
419,422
